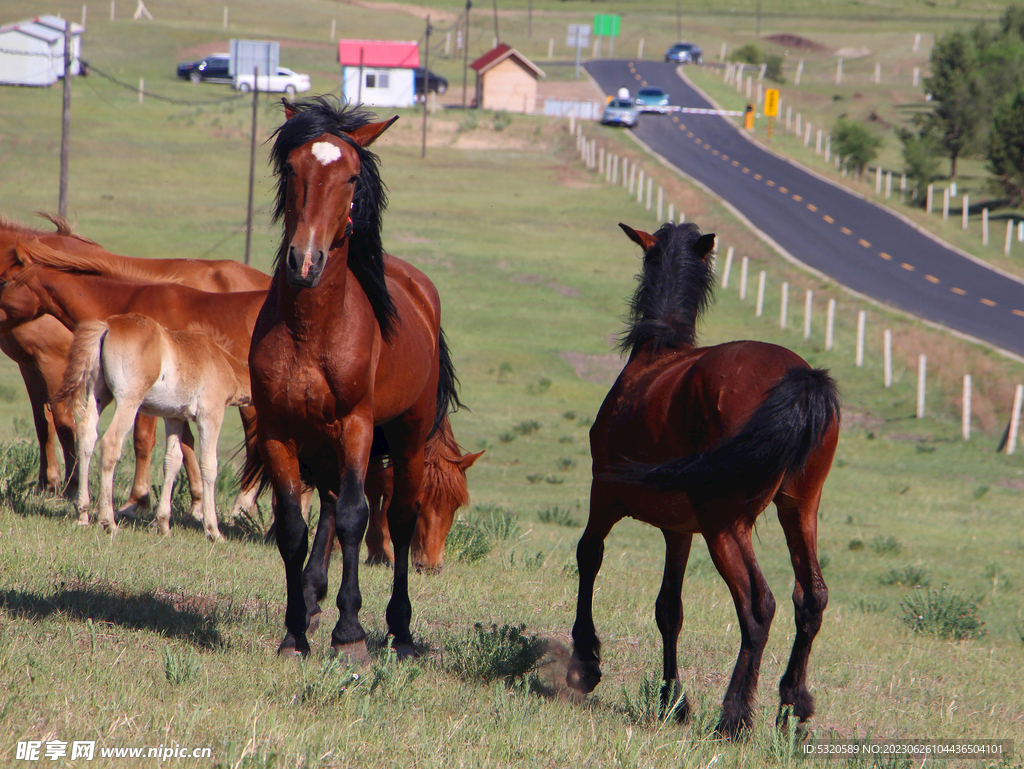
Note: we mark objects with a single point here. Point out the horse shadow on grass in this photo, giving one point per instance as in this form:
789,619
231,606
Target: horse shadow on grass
166,615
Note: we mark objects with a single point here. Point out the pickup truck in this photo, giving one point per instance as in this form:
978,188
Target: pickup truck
285,81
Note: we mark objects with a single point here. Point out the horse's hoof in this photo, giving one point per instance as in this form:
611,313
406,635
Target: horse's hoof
734,727
583,676
290,650
404,651
355,652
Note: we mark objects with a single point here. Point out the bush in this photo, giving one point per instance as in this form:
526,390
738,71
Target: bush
469,122
774,69
559,516
493,653
527,427
748,54
942,614
920,160
855,142
495,521
502,120
885,545
467,543
180,668
653,701
908,576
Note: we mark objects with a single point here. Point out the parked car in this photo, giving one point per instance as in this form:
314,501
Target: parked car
649,99
214,68
685,53
620,112
285,81
435,82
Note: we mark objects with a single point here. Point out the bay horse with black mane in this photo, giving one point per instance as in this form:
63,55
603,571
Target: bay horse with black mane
348,361
699,440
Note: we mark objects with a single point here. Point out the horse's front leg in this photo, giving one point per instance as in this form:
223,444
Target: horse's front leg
314,576
351,515
282,465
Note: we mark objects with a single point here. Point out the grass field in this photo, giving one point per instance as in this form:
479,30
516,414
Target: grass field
143,641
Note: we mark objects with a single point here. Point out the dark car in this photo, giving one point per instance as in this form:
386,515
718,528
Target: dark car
685,53
435,82
215,69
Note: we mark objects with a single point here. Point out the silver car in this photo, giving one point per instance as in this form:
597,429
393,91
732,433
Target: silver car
620,112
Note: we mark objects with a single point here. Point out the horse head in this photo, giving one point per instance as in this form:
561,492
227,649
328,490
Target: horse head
323,176
19,303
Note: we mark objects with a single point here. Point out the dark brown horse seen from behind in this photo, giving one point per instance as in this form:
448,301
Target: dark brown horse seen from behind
348,361
699,440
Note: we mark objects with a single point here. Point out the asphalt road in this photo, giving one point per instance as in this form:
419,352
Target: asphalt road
856,243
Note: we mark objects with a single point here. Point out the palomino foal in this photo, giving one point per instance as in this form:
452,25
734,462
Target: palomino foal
177,375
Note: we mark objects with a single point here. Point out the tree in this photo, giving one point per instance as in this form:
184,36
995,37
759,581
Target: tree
919,157
1006,147
856,143
957,92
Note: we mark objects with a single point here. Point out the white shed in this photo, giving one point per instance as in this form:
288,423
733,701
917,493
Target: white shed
32,51
379,73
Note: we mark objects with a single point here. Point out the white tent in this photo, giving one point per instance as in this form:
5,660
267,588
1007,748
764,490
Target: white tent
32,51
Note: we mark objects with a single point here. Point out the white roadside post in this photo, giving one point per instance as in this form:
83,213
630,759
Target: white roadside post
784,310
762,276
862,317
887,358
728,266
922,374
744,265
1018,397
965,420
808,305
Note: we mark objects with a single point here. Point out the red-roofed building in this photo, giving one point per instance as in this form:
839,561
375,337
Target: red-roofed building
505,79
379,73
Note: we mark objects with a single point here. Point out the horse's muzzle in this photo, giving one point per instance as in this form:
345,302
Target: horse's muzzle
304,269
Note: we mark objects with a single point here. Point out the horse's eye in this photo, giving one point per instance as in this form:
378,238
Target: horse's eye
354,179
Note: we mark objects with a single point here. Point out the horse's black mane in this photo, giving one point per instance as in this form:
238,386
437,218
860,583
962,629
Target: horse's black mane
675,289
324,115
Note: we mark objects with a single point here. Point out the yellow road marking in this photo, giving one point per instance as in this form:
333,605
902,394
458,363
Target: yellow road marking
1018,312
958,291
746,170
770,183
907,267
846,231
757,176
797,198
707,146
811,207
828,219
988,302
931,278
714,152
724,156
783,190
884,255
864,243
690,134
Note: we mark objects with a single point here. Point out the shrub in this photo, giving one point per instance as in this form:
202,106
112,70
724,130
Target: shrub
527,427
908,576
855,142
774,69
885,545
942,614
527,562
326,686
557,479
502,120
180,668
566,463
507,437
469,122
748,54
559,516
652,702
493,653
498,523
467,543
872,605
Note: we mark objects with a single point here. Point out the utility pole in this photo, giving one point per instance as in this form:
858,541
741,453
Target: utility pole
252,159
529,20
757,27
465,53
65,131
426,87
679,20
496,35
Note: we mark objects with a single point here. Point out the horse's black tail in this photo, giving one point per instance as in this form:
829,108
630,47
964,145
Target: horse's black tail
775,442
447,385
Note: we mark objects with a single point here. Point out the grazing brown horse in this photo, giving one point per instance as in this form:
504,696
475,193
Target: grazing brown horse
177,375
347,361
40,348
36,280
443,492
699,440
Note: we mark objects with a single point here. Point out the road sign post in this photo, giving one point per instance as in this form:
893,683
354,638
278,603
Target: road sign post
607,25
578,37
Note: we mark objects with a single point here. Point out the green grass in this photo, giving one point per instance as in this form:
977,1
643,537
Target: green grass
143,640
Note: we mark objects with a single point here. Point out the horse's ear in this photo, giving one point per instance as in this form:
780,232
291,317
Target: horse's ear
289,109
21,253
643,239
705,245
367,134
466,460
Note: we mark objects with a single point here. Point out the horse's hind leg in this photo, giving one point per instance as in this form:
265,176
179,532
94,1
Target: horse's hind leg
208,425
733,555
584,672
194,472
402,512
668,611
110,453
144,441
810,596
378,535
172,464
42,420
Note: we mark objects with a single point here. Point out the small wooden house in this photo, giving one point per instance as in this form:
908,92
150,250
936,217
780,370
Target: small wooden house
32,51
506,80
379,73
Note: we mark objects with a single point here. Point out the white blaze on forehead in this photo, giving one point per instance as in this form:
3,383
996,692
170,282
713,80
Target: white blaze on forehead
326,153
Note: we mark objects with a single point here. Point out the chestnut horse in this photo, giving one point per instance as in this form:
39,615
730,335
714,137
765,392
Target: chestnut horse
177,375
699,440
443,492
40,348
347,361
36,280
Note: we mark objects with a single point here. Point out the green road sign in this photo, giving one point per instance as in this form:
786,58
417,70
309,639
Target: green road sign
606,24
